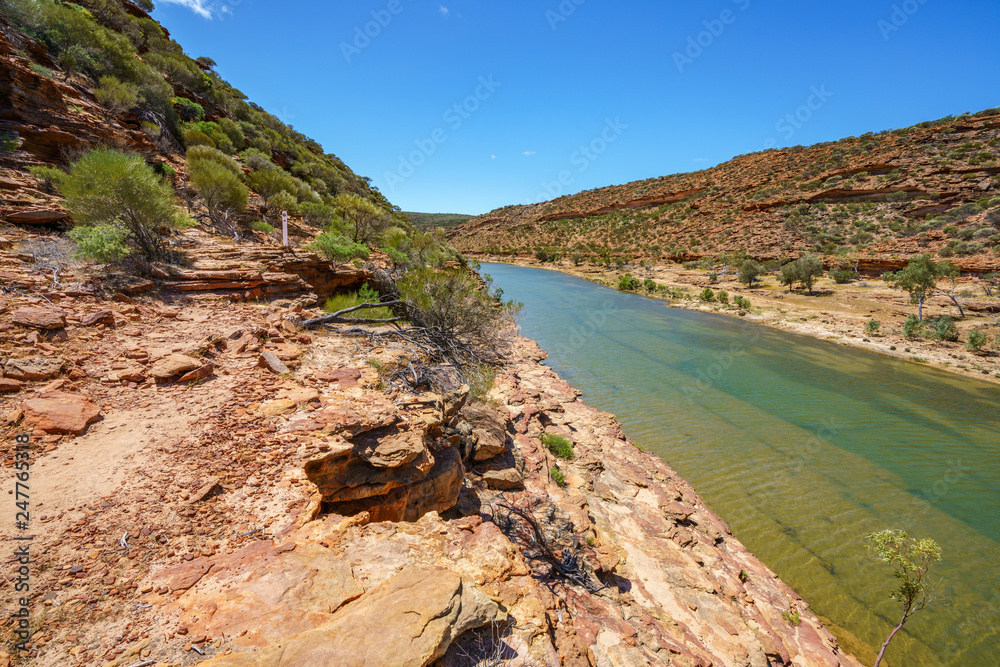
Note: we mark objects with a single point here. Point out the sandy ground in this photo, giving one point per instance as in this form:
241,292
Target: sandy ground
837,313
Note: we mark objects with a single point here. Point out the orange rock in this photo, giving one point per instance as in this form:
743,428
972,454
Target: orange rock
60,412
39,318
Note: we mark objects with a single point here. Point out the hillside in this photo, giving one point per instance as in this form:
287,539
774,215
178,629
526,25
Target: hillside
430,221
872,200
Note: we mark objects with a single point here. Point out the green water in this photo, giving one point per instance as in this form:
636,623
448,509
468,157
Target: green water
803,447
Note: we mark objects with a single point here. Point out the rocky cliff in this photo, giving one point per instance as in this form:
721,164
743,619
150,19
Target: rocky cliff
876,199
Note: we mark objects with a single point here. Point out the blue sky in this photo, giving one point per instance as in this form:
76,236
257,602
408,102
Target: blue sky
468,105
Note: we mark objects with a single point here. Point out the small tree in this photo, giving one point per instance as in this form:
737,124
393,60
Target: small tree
221,191
749,272
789,274
268,183
977,340
628,283
810,267
108,188
338,249
919,279
910,560
366,218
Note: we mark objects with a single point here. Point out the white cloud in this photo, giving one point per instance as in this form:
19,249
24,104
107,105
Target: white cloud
197,6
493,157
443,10
528,153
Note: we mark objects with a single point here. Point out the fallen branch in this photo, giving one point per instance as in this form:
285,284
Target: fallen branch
338,317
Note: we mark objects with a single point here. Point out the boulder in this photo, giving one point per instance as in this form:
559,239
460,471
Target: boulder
173,364
410,620
488,429
40,318
35,368
392,450
60,412
342,475
503,480
200,373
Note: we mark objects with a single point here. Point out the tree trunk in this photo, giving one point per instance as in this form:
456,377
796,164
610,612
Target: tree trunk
885,644
920,309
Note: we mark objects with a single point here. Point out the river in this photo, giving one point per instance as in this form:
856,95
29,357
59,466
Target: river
803,446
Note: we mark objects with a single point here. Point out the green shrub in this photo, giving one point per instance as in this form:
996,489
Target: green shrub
977,340
188,110
320,215
542,256
220,189
707,295
196,138
108,187
912,327
742,302
284,201
872,327
944,328
9,141
576,258
100,243
792,616
558,476
558,445
338,249
628,283
209,154
258,160
261,226
841,276
269,182
649,285
351,299
723,296
115,96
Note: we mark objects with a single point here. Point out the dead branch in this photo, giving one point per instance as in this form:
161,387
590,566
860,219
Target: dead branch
338,317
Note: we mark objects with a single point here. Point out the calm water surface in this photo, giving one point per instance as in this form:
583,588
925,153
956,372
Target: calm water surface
803,447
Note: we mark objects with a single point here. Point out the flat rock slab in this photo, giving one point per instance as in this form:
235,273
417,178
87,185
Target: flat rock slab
410,620
105,317
174,364
36,217
40,318
35,368
9,385
271,362
60,412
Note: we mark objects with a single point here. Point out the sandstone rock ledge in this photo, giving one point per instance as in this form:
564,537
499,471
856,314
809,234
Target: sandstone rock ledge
356,590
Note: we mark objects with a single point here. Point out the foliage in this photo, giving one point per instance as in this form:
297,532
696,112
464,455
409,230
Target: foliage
649,285
910,560
919,279
792,616
749,271
188,110
557,475
559,446
261,226
944,328
628,283
912,326
364,295
841,276
428,221
115,96
742,302
723,296
707,295
220,189
872,327
576,258
101,243
9,142
976,341
197,154
338,249
320,215
366,218
268,183
108,187
196,138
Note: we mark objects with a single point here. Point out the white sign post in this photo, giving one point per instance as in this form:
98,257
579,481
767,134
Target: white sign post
284,228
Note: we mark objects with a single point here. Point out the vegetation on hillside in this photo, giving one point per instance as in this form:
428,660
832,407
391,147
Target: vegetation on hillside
430,221
932,187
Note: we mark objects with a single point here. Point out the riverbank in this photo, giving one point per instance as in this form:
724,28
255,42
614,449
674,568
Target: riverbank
835,313
279,501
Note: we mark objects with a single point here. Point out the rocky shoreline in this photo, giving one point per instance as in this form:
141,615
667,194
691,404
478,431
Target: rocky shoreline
212,484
